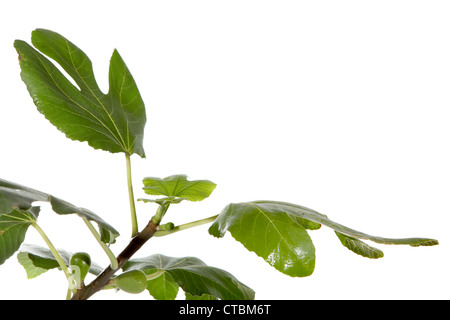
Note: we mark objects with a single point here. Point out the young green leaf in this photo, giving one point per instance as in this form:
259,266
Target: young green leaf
276,231
163,287
112,122
294,210
194,276
281,241
37,260
13,195
13,227
359,247
108,234
163,201
178,186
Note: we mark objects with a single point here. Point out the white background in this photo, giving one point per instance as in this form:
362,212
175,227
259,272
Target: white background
340,106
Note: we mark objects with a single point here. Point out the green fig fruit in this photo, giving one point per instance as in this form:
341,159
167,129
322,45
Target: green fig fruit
134,281
80,264
167,227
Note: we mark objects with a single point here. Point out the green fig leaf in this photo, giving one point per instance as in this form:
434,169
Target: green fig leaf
37,260
281,241
359,247
276,231
13,227
112,122
163,287
308,214
13,196
194,276
163,201
178,186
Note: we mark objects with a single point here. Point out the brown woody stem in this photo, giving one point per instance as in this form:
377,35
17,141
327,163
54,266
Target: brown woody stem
135,244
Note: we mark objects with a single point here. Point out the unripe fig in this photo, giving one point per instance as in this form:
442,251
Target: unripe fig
80,263
167,227
134,281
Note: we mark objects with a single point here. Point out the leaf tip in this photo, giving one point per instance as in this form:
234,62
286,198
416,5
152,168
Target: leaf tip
17,45
426,243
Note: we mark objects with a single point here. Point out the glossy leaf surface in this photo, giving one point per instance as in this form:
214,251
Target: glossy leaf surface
194,276
37,260
13,195
178,186
163,287
112,122
13,227
276,231
281,240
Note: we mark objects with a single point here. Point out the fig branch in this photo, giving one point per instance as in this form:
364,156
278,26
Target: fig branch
102,279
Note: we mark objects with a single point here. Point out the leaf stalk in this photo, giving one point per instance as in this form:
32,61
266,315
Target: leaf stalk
162,209
162,233
58,258
135,244
134,223
109,253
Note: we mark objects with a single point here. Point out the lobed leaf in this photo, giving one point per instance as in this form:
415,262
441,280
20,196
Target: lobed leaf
194,276
32,269
305,213
281,241
36,260
163,201
107,233
178,186
13,196
276,231
13,227
112,122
